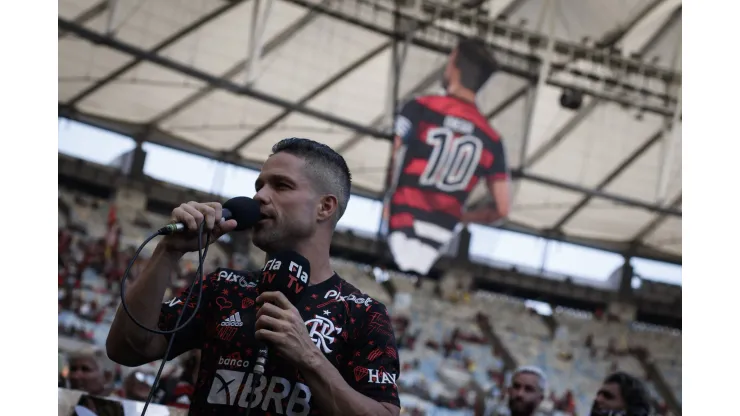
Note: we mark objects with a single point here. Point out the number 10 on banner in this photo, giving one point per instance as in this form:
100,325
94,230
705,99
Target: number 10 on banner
453,162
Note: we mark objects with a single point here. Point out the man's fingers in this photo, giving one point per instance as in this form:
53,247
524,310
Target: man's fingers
208,212
268,309
188,215
268,322
223,228
218,210
267,335
276,298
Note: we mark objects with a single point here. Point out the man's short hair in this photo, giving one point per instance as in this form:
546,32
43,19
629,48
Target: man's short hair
475,62
633,391
327,168
541,377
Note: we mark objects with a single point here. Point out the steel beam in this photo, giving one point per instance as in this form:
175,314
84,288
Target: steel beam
548,15
612,37
112,14
650,142
670,141
275,43
421,86
259,23
88,15
518,174
309,96
223,84
157,48
655,223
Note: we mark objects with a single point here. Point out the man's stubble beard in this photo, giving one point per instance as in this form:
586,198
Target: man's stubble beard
269,240
280,237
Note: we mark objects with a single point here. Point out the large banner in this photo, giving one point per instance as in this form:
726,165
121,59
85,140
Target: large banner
446,148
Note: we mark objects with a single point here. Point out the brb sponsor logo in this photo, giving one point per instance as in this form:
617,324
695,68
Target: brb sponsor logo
233,362
232,388
333,294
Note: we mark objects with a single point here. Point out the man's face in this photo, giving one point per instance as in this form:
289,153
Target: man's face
288,204
85,375
524,394
608,398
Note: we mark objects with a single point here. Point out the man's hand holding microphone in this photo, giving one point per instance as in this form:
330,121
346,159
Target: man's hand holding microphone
127,342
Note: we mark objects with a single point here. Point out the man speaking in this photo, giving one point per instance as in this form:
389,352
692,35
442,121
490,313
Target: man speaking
333,353
443,147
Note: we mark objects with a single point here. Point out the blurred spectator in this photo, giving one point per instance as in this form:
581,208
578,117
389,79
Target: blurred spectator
527,390
91,371
621,392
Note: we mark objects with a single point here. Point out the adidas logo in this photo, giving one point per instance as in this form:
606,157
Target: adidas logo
233,320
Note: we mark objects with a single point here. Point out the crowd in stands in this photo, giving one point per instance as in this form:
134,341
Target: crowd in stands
457,353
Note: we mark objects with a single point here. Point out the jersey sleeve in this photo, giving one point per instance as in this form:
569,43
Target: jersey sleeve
371,364
193,335
406,119
499,170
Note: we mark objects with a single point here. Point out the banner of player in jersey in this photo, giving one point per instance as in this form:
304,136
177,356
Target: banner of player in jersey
443,147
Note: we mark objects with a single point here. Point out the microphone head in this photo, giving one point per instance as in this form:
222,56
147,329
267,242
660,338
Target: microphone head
286,272
246,211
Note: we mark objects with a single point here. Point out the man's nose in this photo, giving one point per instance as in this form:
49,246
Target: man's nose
261,196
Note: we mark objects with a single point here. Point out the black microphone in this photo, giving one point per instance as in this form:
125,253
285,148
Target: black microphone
285,272
245,210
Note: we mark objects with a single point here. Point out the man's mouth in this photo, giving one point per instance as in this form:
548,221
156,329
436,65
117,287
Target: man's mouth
265,217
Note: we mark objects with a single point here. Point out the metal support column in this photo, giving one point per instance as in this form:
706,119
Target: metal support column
669,141
256,34
548,15
111,20
534,91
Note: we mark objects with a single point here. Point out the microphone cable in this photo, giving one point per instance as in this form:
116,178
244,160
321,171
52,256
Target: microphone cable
202,251
258,371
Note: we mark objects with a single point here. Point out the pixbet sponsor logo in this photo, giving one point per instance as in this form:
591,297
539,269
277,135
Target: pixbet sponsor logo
269,393
230,277
233,362
333,294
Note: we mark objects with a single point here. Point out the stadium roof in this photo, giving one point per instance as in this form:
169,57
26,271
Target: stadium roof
227,79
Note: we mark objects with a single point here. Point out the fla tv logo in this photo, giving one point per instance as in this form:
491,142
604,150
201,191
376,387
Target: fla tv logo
270,269
297,273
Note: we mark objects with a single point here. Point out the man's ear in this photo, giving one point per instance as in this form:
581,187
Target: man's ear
327,208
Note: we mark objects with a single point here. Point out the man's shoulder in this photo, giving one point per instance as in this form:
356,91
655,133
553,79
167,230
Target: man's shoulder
364,303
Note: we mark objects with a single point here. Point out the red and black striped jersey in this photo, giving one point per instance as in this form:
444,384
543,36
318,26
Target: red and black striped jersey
448,146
